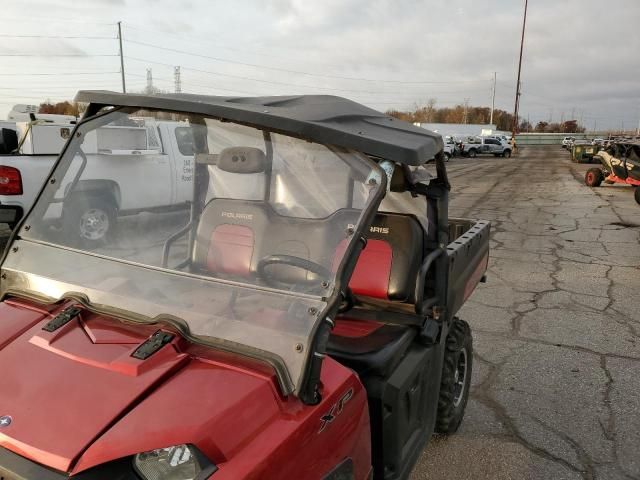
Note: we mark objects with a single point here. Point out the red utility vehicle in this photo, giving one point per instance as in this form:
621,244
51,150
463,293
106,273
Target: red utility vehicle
294,320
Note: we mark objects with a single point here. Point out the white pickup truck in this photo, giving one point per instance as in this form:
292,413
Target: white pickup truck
475,146
90,213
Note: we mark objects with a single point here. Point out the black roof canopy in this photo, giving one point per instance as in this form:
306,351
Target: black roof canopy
319,118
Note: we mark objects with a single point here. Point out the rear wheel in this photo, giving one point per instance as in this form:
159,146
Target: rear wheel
456,378
89,220
447,157
473,153
637,195
593,177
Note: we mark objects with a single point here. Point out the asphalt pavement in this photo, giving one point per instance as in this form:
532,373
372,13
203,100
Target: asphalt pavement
556,381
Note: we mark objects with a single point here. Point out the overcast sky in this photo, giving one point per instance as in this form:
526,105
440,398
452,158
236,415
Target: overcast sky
581,56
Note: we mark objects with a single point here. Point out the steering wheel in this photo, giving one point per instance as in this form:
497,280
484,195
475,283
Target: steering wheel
291,261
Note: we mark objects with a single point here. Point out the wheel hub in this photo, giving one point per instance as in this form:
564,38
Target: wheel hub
460,378
94,224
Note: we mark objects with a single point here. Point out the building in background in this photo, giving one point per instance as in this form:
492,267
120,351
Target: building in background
460,129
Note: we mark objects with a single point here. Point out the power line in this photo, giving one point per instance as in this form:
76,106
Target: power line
49,88
201,40
6,35
57,55
370,101
56,74
298,72
29,19
274,82
213,87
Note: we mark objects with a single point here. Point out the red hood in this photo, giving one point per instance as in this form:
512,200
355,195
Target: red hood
77,398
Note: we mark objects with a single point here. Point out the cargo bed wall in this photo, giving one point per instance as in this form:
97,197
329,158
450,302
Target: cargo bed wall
468,253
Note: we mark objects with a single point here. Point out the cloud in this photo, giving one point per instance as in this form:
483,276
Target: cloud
579,54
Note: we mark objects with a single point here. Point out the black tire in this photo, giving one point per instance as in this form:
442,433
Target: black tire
473,153
454,392
636,195
447,157
89,220
507,153
593,177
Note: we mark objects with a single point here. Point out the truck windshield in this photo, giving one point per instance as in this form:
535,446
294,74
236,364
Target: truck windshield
235,234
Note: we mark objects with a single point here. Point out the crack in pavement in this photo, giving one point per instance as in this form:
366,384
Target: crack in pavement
554,273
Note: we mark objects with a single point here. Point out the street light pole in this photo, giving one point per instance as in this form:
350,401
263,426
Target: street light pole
515,113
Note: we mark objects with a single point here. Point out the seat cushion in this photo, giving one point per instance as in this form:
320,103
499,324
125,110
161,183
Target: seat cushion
231,249
378,351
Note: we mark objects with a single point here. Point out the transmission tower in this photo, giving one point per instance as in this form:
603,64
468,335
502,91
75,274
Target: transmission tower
149,81
176,79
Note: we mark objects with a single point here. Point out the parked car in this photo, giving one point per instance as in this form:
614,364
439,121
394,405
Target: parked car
288,325
93,217
449,151
503,138
567,142
485,146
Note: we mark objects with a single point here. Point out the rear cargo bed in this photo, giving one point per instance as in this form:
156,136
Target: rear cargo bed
468,253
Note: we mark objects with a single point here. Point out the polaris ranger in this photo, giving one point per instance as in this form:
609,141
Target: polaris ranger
297,321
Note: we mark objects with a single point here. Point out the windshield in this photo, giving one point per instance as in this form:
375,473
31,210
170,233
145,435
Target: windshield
235,234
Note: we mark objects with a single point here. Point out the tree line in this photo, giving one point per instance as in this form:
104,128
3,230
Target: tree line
62,108
430,113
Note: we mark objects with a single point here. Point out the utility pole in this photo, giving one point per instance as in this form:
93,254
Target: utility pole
124,85
493,98
466,110
515,113
176,80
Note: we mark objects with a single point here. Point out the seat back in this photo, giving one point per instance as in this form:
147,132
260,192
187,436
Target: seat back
236,216
388,266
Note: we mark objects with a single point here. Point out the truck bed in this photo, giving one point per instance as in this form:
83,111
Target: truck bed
468,255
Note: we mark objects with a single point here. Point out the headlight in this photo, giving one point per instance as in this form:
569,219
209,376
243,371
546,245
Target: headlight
180,462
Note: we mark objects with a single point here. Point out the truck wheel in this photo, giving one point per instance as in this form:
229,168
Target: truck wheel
456,378
473,153
447,157
89,220
636,195
507,153
593,177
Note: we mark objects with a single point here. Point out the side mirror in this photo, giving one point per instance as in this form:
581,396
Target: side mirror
11,214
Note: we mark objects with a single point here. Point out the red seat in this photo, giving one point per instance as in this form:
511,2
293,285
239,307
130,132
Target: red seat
386,270
388,265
